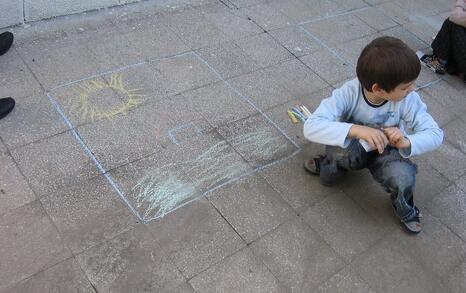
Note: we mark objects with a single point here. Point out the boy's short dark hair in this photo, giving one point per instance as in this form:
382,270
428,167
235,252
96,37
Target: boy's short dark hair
389,62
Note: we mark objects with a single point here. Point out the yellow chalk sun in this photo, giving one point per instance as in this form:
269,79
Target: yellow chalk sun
89,109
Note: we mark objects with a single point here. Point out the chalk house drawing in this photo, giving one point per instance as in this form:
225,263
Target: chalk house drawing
241,150
164,189
130,98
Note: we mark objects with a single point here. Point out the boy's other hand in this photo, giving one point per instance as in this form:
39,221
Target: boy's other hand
396,138
375,137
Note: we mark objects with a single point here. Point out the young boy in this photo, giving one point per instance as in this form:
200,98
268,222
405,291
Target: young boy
363,125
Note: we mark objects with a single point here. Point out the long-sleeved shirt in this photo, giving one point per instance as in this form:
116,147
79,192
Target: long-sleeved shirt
331,121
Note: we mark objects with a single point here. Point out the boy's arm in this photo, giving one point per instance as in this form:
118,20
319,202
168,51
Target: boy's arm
427,135
324,125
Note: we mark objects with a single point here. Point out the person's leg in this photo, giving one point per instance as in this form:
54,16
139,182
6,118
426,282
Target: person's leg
6,104
6,40
458,43
397,176
441,46
337,161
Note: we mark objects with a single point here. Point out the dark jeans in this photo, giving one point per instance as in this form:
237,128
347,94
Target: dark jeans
396,174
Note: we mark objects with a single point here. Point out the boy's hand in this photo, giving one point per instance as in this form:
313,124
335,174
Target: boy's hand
375,137
396,138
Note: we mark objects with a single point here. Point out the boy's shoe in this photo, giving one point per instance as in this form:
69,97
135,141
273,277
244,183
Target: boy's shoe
433,64
413,225
6,106
6,40
313,165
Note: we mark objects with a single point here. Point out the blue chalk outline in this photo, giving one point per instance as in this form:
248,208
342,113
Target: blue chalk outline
171,134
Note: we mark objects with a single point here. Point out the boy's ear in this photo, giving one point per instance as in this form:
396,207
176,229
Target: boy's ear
376,89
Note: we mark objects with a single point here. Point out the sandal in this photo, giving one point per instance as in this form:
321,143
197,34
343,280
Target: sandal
413,225
433,64
313,165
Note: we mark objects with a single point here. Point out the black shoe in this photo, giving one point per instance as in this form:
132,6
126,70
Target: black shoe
6,106
6,40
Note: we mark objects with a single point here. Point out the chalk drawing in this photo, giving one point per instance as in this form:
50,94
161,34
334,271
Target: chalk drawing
172,132
164,189
88,108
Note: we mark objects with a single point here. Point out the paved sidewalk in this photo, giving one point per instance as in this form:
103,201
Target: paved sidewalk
150,151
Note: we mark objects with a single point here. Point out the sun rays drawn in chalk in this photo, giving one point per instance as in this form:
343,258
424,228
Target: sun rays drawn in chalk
164,189
90,89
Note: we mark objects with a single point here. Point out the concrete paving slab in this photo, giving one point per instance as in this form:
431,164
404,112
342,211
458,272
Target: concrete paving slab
195,237
185,72
340,29
455,158
88,213
349,51
228,59
297,256
3,148
345,281
262,89
266,16
51,65
264,50
343,225
439,112
245,3
168,151
209,161
54,163
455,281
257,141
251,206
295,40
32,119
429,182
296,186
297,78
389,267
328,67
183,288
375,18
194,29
17,81
437,249
115,50
14,189
29,243
406,36
395,10
155,40
242,272
299,11
66,276
233,24
455,133
130,262
119,141
219,104
449,207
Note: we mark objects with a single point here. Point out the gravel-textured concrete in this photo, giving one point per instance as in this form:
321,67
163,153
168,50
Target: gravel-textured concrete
150,151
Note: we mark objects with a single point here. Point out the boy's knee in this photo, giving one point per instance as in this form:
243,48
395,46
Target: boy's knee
402,177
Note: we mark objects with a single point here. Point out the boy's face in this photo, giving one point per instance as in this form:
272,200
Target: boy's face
399,93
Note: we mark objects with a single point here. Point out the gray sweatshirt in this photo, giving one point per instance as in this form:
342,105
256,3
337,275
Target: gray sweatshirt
332,120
